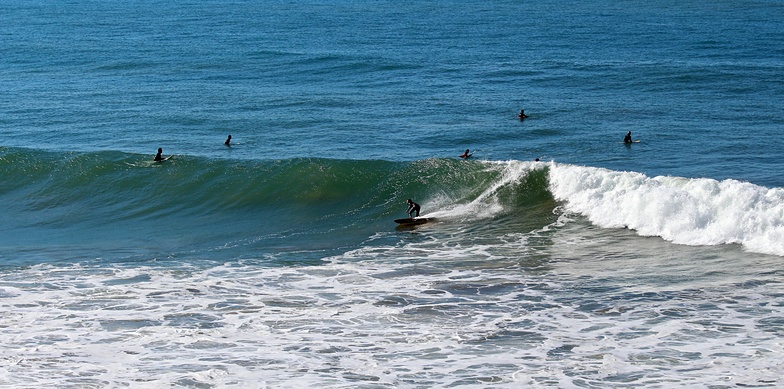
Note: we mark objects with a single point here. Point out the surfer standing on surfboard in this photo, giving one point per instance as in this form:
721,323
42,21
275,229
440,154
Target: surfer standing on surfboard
412,207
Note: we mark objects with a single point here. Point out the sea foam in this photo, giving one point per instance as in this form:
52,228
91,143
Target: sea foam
692,211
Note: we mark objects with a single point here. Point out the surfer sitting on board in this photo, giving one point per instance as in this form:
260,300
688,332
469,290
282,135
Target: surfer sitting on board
412,207
522,114
466,154
228,141
628,137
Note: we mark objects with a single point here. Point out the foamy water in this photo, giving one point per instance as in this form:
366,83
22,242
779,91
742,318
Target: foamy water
431,311
684,211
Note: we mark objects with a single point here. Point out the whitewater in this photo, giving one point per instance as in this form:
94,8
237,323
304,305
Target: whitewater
684,211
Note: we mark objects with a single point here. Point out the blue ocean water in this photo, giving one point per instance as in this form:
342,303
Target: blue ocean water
274,262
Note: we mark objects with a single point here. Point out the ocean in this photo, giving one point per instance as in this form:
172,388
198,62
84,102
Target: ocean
560,257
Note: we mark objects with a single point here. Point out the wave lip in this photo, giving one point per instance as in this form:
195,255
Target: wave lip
681,210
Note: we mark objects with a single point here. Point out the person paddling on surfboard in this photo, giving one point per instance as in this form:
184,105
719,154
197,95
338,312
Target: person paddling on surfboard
412,208
466,154
628,137
159,157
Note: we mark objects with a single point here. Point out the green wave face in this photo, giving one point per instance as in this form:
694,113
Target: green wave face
92,198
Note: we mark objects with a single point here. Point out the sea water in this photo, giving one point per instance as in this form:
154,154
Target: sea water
275,262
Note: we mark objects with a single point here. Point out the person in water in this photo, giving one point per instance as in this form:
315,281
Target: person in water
412,208
628,137
158,156
228,141
466,154
522,114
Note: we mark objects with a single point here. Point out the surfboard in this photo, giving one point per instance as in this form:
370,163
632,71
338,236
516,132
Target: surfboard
413,221
165,159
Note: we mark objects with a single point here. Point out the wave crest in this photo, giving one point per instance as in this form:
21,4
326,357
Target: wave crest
94,190
681,210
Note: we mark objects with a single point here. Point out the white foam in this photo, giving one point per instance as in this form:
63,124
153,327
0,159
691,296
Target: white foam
436,312
681,210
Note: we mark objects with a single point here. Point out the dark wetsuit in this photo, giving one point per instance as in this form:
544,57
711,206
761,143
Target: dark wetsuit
413,207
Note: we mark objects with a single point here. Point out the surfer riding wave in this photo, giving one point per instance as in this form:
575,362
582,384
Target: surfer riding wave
412,208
